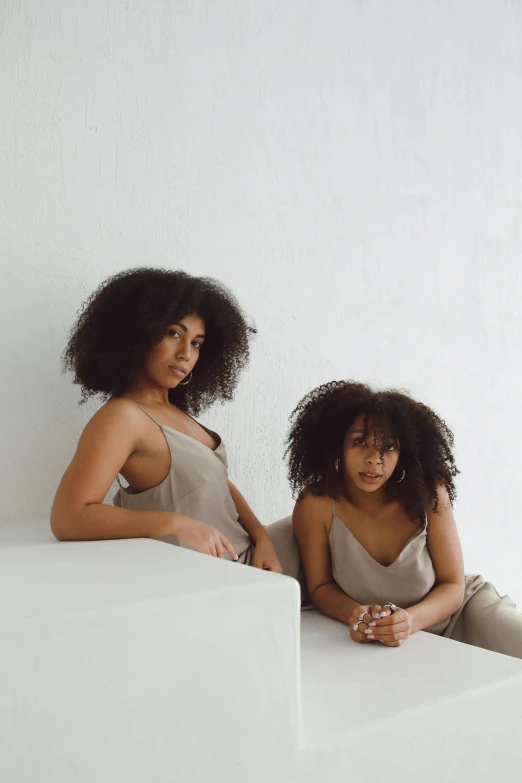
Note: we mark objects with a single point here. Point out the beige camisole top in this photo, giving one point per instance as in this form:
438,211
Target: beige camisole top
196,486
405,582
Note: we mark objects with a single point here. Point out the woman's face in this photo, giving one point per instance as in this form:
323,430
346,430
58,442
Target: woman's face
171,360
363,463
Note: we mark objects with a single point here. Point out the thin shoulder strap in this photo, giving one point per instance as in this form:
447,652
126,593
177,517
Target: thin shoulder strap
333,507
150,417
143,409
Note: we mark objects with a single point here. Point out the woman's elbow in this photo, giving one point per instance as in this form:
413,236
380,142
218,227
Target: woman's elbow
461,591
59,529
457,594
62,523
317,592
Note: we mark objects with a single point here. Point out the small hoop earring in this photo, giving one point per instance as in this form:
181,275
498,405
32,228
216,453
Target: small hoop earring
337,463
402,477
187,381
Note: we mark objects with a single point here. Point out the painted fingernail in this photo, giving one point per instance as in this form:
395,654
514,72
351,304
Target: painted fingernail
367,631
372,624
371,636
355,628
382,614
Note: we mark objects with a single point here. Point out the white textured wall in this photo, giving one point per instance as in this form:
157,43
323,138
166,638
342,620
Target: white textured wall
353,170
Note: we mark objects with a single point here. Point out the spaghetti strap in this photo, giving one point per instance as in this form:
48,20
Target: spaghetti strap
142,409
150,417
333,507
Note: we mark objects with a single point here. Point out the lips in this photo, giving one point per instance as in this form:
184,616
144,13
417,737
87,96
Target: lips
178,369
371,478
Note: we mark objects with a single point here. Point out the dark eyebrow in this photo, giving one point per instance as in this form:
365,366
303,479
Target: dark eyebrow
388,438
198,336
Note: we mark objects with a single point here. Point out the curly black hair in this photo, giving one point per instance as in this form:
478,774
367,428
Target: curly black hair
130,312
322,418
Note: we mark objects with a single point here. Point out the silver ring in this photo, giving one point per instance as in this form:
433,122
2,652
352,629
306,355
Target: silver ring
356,625
361,616
392,607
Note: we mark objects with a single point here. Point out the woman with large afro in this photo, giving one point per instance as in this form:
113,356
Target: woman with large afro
374,474
159,347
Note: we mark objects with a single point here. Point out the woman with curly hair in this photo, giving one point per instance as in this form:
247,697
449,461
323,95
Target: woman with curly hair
159,347
374,471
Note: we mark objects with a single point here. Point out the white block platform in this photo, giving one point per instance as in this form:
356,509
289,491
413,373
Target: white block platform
431,711
136,661
139,662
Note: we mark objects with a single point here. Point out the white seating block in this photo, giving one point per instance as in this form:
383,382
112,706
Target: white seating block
432,710
137,661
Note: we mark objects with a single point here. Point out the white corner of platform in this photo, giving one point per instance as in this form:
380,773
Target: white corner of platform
135,660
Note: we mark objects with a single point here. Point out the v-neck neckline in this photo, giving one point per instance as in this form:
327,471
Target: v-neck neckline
212,434
412,538
190,437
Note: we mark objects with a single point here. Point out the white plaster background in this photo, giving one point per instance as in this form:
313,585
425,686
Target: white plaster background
352,170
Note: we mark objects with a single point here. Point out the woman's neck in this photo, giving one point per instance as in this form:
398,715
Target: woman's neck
143,391
368,502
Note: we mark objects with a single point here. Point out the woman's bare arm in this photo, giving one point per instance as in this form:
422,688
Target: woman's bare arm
247,518
78,512
265,556
446,554
311,522
114,433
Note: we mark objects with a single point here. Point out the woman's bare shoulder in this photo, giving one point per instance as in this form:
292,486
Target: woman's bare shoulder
311,510
117,416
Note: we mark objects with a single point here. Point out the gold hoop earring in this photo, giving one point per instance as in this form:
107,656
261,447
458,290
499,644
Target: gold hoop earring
402,477
187,381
